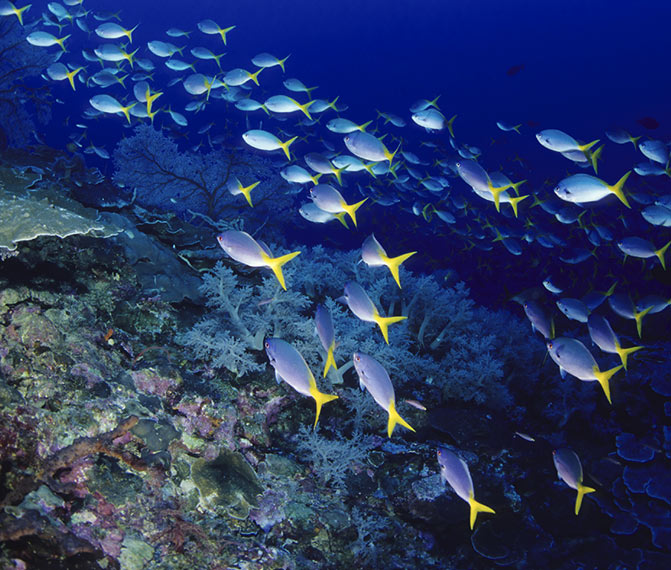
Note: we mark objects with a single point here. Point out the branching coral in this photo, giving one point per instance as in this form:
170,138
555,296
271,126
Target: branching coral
168,178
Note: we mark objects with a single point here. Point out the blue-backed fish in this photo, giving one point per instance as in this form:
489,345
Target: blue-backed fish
244,248
361,305
573,357
569,470
374,255
454,470
327,198
374,377
605,338
291,367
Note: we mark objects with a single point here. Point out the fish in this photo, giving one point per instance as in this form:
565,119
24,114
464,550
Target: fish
583,189
297,86
433,120
112,31
268,60
240,76
236,188
374,377
244,248
263,140
163,49
424,104
574,309
622,305
45,39
572,356
57,71
316,215
113,53
108,104
643,249
540,321
319,163
327,198
361,305
507,127
481,183
569,470
326,333
654,150
345,126
285,104
374,255
657,215
559,141
367,146
298,175
291,367
454,470
210,27
605,338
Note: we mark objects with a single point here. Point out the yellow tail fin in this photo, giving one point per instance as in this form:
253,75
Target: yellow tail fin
450,125
320,399
603,378
582,491
247,191
478,508
384,322
639,320
618,189
340,216
285,145
660,254
19,12
352,208
395,418
276,263
594,158
514,202
337,172
330,361
624,353
393,263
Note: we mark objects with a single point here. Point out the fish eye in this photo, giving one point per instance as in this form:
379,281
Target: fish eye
267,344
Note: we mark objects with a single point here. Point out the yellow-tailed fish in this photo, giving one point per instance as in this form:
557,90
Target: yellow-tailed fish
374,255
327,198
605,338
326,333
569,470
263,140
244,248
455,471
235,187
361,305
291,367
374,377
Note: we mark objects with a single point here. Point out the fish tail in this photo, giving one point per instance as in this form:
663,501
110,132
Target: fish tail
478,508
337,172
362,128
496,192
434,103
276,263
19,12
71,77
515,201
247,192
384,322
285,146
352,208
330,361
255,78
320,399
395,418
224,31
390,155
660,254
594,157
516,128
340,216
394,263
633,140
305,108
332,104
582,491
369,167
129,33
585,147
618,189
450,124
603,378
638,316
281,62
126,111
61,41
309,91
624,353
